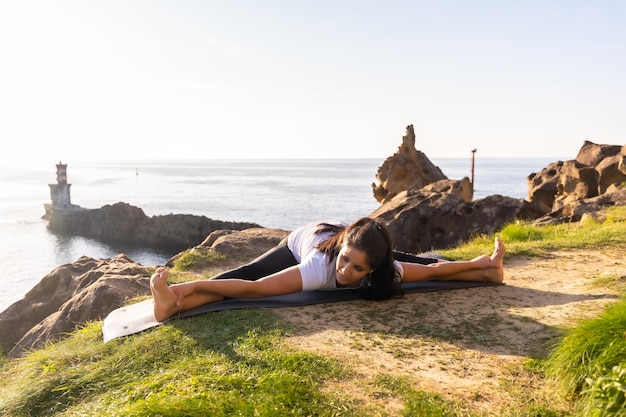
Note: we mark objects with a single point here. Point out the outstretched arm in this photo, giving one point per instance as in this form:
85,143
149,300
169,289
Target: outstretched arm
174,299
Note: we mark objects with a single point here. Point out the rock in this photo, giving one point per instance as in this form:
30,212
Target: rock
421,221
93,303
249,243
611,170
564,190
182,230
89,289
574,211
576,182
591,154
69,296
425,211
122,222
41,301
242,245
114,222
462,188
542,186
407,169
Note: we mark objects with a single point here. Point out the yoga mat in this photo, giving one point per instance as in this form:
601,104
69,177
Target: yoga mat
137,317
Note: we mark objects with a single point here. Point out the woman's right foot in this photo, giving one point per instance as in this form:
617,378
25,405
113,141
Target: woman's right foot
163,296
496,272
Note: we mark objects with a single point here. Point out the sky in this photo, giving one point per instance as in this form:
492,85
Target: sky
209,79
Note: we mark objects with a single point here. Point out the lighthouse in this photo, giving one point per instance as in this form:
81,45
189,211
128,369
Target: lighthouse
60,192
60,196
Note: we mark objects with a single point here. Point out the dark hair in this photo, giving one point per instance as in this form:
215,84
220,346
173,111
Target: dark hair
372,238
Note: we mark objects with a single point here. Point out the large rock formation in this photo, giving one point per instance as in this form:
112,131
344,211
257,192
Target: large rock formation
89,289
122,222
421,220
424,210
562,189
68,297
542,186
576,210
407,169
422,216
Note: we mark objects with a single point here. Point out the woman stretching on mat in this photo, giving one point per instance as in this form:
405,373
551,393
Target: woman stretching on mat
324,256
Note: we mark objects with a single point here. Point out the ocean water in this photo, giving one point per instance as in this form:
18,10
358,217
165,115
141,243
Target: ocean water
272,193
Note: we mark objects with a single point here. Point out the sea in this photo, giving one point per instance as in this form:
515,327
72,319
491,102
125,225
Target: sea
277,193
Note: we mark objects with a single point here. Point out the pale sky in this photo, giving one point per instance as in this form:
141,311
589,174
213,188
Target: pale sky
309,79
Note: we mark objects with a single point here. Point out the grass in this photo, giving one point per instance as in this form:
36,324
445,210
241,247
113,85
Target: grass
591,355
525,239
197,259
237,364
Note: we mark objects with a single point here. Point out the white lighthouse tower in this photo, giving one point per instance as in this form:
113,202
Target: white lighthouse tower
60,192
60,195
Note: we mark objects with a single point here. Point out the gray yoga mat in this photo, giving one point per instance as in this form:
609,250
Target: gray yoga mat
137,317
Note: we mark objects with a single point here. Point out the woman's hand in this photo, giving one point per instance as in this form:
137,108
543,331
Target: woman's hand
182,291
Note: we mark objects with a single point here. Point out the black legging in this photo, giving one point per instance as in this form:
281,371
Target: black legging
280,257
414,259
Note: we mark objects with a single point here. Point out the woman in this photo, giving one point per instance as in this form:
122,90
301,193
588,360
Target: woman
324,256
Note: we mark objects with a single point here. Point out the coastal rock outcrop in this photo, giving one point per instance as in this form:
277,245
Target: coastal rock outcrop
121,222
238,245
407,169
425,213
89,289
421,220
542,186
68,297
562,189
576,211
424,210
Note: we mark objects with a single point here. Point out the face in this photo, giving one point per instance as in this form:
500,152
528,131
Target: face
351,266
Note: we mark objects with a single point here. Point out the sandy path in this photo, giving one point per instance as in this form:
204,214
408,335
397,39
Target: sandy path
465,344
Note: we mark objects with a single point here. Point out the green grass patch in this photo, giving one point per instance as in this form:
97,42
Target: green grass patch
590,362
231,364
526,239
197,259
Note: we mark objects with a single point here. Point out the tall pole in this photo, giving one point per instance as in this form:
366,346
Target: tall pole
473,156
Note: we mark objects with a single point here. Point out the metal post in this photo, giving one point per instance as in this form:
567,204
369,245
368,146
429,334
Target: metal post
473,155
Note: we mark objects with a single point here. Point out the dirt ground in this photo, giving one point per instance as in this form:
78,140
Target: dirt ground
467,345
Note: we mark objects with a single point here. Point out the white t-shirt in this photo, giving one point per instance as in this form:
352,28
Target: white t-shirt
318,270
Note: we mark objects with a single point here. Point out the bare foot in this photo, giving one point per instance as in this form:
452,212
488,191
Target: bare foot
163,296
496,272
